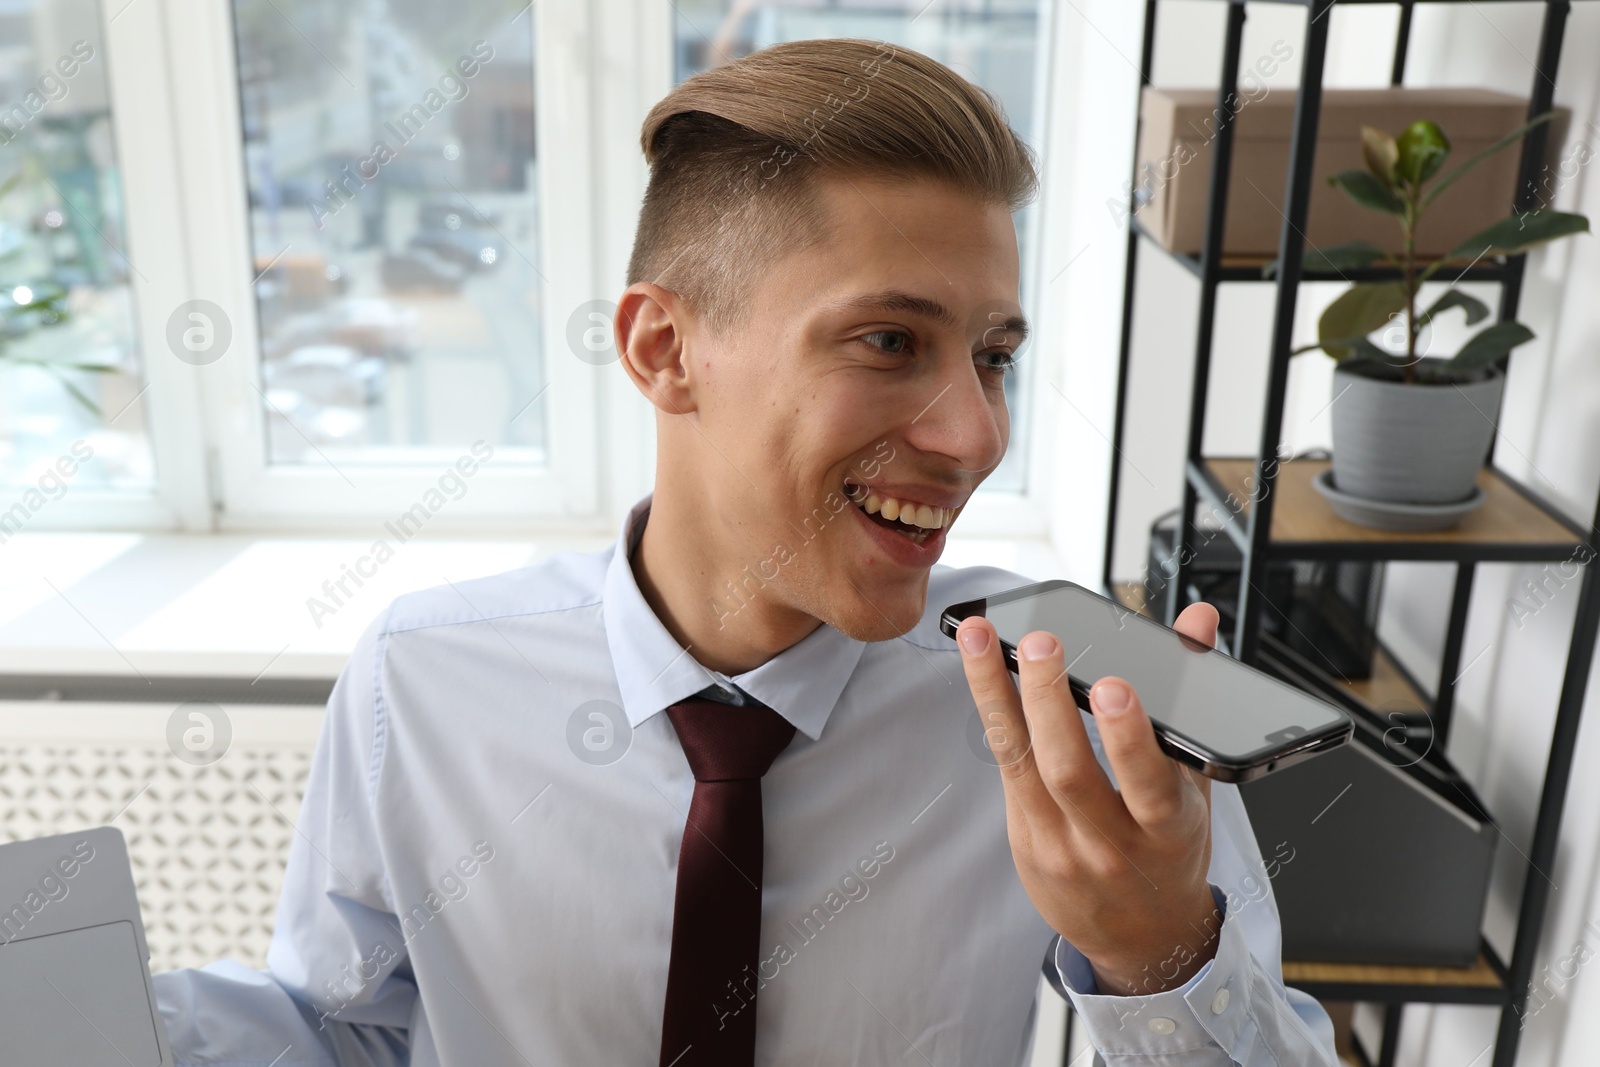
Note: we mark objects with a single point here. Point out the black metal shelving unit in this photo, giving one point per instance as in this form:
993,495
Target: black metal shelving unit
1517,525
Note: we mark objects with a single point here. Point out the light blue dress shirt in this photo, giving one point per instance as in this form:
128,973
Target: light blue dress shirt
485,860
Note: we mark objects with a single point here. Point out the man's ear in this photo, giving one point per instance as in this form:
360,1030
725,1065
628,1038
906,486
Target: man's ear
651,333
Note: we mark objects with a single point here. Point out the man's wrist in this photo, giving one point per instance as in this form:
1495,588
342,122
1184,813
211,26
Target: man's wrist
1181,956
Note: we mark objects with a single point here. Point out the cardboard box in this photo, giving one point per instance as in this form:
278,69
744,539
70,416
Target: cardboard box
1175,151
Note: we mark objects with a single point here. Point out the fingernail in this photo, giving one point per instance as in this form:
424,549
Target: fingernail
1110,697
974,640
1036,646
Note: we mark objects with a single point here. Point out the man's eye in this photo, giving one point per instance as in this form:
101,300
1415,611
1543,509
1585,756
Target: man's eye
894,350
1004,362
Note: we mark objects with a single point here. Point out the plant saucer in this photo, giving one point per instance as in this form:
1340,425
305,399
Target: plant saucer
1388,515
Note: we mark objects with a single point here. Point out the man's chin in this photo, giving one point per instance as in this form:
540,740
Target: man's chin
865,615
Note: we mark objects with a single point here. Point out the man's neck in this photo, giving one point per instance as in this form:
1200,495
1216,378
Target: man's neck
676,569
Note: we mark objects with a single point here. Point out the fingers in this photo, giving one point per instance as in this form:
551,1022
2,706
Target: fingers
1005,728
1061,748
1152,784
1044,752
1199,621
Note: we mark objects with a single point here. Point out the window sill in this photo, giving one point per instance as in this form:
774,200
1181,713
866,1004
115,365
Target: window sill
255,608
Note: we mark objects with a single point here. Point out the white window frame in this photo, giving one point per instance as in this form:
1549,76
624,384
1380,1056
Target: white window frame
1024,513
599,67
257,494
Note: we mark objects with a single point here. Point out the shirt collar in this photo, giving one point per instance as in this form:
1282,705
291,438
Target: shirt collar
802,683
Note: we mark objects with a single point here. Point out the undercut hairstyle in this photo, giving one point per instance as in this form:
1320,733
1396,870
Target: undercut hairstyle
736,151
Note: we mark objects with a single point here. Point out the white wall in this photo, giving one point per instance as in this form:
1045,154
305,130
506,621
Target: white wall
1549,431
1550,437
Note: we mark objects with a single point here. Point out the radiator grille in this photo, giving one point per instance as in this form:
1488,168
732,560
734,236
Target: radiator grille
207,843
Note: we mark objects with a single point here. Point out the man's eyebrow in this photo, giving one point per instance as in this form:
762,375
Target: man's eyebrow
900,300
1011,324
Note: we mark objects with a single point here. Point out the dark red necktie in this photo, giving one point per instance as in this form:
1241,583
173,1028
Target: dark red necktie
710,1015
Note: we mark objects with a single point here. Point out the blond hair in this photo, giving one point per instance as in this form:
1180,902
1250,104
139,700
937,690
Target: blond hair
735,151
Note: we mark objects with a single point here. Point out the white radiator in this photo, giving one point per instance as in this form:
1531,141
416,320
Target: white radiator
208,842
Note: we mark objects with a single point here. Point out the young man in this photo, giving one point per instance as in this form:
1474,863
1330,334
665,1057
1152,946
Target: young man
718,794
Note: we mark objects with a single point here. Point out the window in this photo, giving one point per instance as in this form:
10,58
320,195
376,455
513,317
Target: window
393,195
71,374
395,263
287,263
992,43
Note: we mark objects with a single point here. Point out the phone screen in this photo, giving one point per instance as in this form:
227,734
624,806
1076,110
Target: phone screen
1208,697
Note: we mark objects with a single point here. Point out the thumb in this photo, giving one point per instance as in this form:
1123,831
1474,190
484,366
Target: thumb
1199,621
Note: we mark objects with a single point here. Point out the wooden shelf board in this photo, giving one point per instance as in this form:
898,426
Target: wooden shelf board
1479,976
1255,262
1386,690
1301,515
1247,267
1131,596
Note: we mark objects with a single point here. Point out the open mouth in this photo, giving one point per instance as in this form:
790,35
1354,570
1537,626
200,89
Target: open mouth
915,522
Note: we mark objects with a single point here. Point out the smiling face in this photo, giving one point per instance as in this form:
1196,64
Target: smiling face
865,375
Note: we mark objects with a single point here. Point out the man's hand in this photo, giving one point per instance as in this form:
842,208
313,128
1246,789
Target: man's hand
1120,875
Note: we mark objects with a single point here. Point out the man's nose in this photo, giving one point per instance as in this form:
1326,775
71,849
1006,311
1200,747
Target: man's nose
957,416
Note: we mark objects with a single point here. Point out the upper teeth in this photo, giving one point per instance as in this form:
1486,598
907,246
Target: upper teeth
875,503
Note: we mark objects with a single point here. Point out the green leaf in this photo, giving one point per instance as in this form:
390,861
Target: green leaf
40,302
1520,233
1368,191
74,392
1476,309
1334,259
1358,311
1489,345
1381,154
1422,147
10,183
1343,348
1450,179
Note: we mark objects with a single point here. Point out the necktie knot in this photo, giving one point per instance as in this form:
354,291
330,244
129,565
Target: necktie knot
725,742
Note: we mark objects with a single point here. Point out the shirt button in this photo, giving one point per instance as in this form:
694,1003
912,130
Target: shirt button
1162,1026
1219,1003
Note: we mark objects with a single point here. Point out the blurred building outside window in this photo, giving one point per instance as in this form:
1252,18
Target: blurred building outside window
390,153
71,373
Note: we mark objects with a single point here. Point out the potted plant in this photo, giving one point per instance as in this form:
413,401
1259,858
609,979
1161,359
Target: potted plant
1411,429
26,306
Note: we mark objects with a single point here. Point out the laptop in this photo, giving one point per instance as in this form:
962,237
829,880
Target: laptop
74,970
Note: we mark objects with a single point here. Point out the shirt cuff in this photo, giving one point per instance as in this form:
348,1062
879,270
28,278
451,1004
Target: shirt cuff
1211,1010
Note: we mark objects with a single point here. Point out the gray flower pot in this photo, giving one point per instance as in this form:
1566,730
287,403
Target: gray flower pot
1410,444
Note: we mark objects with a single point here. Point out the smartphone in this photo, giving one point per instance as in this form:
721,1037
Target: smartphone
1228,720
